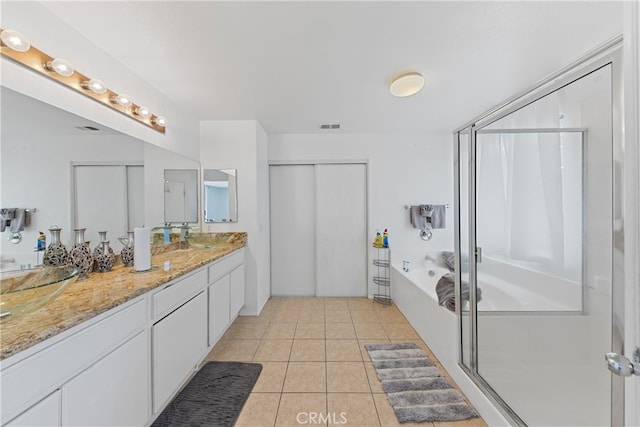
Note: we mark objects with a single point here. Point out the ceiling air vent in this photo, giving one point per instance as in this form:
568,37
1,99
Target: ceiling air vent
332,126
88,128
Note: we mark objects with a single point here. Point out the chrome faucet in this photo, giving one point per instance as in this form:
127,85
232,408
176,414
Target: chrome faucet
184,231
430,258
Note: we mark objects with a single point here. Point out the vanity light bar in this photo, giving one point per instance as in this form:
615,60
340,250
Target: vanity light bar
40,62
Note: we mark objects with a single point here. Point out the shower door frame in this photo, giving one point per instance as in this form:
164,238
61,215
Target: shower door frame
608,53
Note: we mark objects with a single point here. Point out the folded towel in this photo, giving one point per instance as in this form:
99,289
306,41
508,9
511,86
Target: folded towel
417,220
6,215
426,210
449,260
445,289
19,221
438,216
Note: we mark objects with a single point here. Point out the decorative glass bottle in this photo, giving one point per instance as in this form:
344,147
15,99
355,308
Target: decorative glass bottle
102,236
80,254
106,259
126,255
55,254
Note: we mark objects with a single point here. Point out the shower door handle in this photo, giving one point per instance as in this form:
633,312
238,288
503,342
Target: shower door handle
620,365
478,255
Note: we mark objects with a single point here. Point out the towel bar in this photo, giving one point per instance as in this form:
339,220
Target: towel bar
407,206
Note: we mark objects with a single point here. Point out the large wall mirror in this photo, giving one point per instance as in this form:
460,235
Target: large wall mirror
220,195
180,196
76,173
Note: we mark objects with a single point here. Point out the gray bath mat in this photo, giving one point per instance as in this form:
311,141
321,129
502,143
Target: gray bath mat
415,387
214,396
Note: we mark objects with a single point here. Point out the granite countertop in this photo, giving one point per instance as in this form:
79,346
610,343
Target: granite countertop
100,292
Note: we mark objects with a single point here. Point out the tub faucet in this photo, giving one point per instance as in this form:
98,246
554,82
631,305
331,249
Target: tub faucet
430,258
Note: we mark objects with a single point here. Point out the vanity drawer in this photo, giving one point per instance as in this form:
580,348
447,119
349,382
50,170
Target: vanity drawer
29,380
225,265
177,293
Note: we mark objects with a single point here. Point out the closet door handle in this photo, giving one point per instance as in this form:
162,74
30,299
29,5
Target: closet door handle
478,255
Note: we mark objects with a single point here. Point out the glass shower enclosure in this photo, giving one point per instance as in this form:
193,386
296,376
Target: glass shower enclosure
536,224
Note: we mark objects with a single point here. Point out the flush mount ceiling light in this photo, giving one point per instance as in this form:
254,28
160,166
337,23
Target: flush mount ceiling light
142,112
121,99
95,86
60,66
406,85
16,47
15,40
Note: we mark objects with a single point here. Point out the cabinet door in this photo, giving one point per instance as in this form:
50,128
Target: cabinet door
113,392
179,342
218,309
44,413
236,284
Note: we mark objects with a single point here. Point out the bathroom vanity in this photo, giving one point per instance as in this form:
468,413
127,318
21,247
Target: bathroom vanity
115,348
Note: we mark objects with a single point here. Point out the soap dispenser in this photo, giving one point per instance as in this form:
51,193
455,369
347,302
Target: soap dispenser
385,239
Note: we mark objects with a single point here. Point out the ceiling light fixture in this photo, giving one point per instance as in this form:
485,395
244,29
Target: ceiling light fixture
406,85
142,112
15,40
121,99
95,86
160,121
60,66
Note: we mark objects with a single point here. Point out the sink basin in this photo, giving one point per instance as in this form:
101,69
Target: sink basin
23,291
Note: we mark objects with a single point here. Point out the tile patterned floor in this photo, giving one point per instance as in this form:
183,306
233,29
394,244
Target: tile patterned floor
314,362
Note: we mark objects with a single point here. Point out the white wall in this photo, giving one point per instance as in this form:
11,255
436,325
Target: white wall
241,145
404,169
53,36
36,173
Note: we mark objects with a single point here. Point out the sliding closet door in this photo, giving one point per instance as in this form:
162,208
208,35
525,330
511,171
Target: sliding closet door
341,223
292,230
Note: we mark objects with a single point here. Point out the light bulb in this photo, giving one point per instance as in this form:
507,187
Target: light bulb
142,112
60,66
95,86
121,99
160,121
15,40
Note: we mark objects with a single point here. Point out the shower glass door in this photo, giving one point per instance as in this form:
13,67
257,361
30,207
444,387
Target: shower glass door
540,240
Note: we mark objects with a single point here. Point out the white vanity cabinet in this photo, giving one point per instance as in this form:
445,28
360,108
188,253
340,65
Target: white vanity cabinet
119,380
45,413
122,367
179,343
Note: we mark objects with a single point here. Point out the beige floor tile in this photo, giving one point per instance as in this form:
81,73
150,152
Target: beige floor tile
308,351
246,331
337,316
311,316
340,331
390,316
372,376
280,331
346,377
271,379
352,409
239,350
285,316
216,351
305,377
400,331
343,351
311,304
472,422
363,350
370,331
309,331
335,304
251,319
364,316
259,410
273,351
360,304
382,308
301,409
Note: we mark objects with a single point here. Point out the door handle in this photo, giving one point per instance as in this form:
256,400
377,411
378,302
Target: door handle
620,365
478,255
